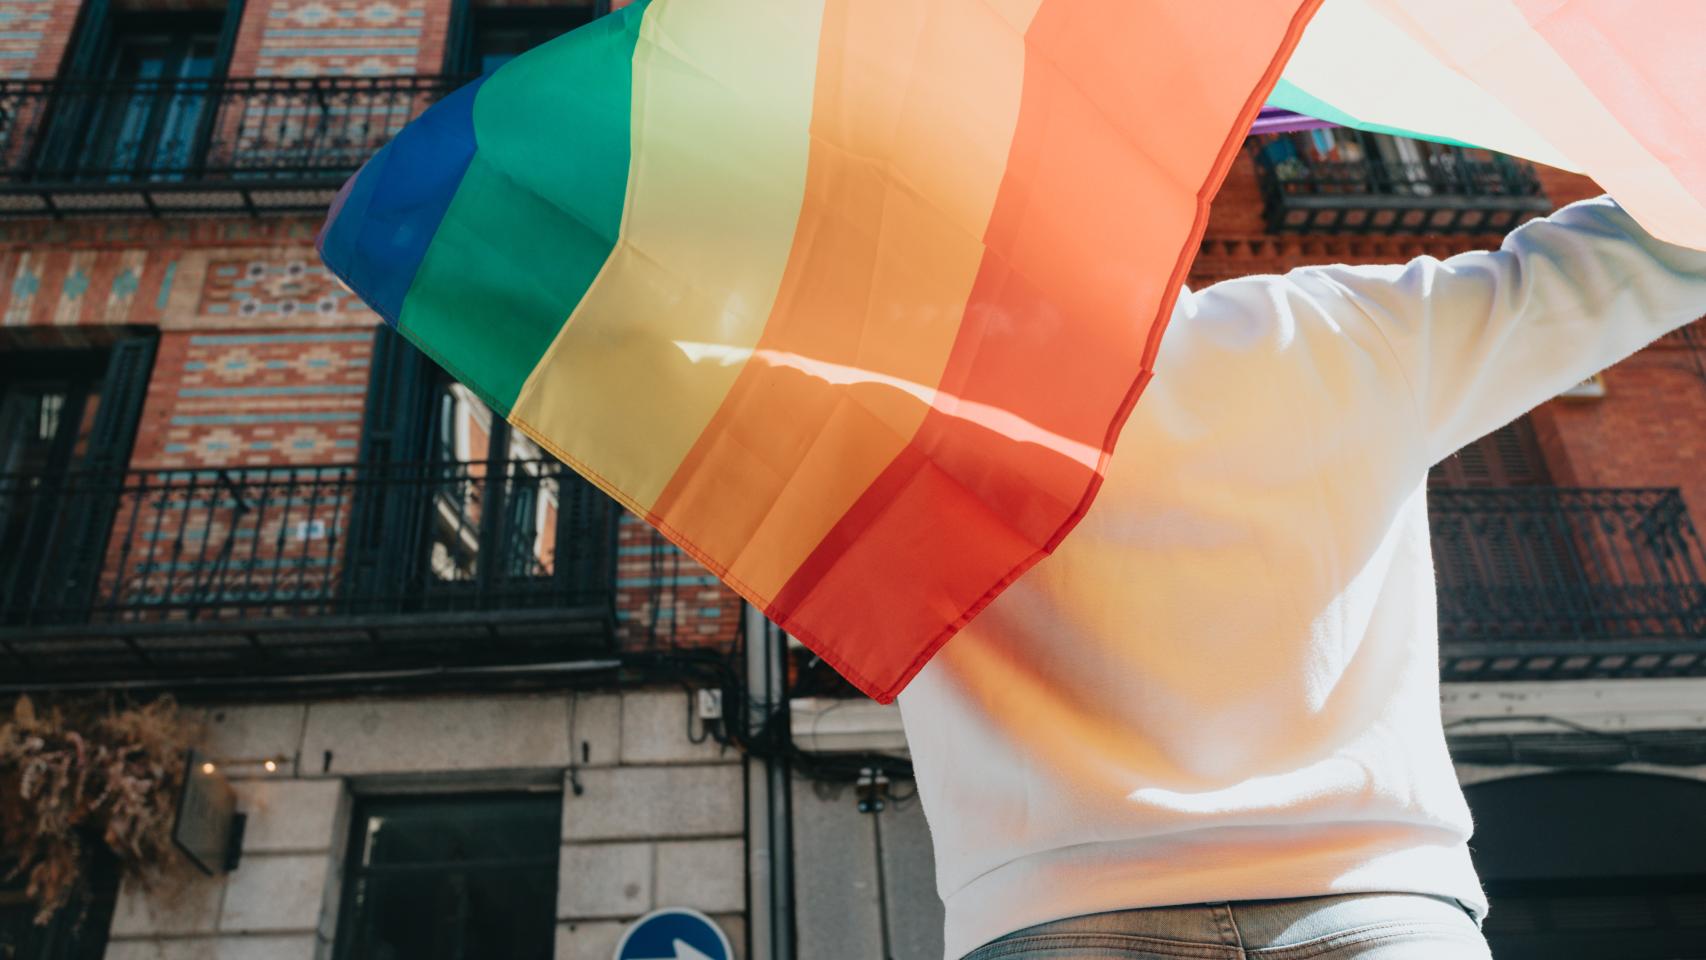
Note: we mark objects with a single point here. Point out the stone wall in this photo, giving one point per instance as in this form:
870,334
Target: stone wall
658,820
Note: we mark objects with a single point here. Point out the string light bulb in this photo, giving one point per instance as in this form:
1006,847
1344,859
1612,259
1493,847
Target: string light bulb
271,765
208,768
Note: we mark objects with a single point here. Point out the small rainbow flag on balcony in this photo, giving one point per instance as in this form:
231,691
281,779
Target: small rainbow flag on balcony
849,298
1613,90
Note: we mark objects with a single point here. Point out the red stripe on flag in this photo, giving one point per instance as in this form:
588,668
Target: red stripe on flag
1082,270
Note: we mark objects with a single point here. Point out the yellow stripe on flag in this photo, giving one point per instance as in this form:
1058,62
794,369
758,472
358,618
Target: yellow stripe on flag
721,116
915,113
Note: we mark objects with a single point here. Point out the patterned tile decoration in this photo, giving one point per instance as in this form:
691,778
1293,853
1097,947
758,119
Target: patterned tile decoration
21,290
259,289
167,285
299,38
666,599
247,399
276,290
33,35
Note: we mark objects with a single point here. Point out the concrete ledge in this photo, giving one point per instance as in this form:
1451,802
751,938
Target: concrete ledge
437,735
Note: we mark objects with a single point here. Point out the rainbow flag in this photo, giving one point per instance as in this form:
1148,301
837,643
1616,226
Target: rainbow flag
847,297
1613,90
850,298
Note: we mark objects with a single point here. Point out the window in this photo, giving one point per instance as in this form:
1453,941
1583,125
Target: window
77,932
141,93
67,419
1508,457
452,878
464,510
487,37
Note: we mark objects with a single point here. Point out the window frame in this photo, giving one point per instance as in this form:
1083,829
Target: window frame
355,870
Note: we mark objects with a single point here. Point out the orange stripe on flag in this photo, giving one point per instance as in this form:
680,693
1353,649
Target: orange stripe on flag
914,112
1126,131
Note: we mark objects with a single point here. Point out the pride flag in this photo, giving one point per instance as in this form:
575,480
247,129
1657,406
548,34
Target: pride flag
847,297
850,298
1614,90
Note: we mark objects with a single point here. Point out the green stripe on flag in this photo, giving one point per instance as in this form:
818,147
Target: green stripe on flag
1289,96
537,213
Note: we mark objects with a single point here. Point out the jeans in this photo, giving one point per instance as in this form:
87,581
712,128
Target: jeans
1367,926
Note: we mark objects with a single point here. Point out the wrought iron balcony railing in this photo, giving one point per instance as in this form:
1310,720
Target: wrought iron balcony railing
1370,183
286,570
1540,582
226,144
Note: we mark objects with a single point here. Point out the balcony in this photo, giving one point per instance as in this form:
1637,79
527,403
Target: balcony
1369,183
1544,583
179,147
301,572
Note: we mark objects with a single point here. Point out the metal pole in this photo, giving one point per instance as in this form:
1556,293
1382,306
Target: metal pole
770,861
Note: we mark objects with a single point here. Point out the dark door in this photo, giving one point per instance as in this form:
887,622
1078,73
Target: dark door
67,422
451,878
1592,866
77,932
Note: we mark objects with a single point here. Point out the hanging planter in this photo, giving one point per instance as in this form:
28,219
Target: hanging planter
76,776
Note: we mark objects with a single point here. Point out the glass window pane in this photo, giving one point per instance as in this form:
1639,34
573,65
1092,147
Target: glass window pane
462,878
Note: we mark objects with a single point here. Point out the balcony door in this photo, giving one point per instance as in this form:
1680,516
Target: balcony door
139,93
67,421
455,511
158,73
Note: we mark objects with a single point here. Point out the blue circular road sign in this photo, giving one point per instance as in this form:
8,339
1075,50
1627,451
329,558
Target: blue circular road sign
674,933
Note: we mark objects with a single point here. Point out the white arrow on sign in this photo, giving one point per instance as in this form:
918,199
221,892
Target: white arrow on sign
685,951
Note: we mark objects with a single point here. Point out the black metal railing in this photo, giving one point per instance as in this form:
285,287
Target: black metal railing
197,568
1543,580
1419,189
227,143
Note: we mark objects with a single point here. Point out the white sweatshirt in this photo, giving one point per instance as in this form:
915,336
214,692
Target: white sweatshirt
1224,685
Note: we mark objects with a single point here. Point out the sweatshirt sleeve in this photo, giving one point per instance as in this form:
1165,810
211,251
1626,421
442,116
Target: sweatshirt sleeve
1483,337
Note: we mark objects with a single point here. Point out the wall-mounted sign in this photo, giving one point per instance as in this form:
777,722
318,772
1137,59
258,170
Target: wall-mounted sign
208,829
674,933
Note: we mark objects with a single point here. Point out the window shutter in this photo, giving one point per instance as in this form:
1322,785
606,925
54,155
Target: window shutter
393,473
1508,457
123,390
95,486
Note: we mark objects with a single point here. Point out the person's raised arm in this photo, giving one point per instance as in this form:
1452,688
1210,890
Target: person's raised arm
1484,337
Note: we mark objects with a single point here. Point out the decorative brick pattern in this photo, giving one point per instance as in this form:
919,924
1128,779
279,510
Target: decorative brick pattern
33,36
276,291
303,38
220,400
664,598
175,289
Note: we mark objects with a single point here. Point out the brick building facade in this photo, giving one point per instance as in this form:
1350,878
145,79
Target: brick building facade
275,450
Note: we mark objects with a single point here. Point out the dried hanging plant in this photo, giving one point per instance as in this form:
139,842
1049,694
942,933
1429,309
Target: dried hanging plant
86,772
